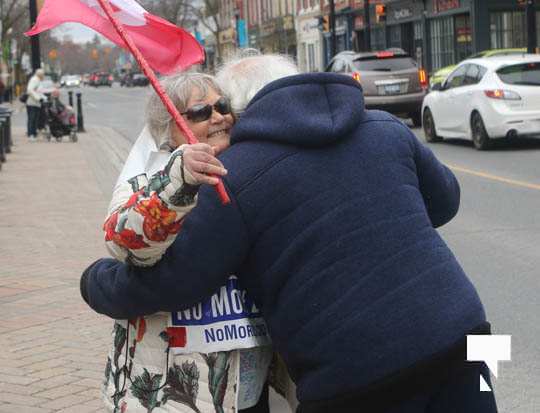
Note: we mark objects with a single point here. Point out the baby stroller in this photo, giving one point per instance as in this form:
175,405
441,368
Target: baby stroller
59,120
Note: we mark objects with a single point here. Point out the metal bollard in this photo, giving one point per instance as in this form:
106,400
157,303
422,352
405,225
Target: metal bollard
70,94
2,141
6,114
80,120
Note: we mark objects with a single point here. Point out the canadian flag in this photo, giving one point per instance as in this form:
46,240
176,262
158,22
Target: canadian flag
166,47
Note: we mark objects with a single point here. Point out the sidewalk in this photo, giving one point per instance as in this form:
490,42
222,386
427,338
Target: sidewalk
53,199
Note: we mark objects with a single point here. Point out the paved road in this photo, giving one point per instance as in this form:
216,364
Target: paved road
495,236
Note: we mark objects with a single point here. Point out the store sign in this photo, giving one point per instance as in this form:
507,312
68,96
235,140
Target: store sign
403,13
309,26
444,5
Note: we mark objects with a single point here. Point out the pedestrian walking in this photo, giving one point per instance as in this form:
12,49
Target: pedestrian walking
332,231
33,103
146,213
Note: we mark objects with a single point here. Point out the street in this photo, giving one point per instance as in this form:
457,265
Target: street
495,235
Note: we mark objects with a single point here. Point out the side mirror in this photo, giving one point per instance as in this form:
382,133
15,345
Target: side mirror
437,86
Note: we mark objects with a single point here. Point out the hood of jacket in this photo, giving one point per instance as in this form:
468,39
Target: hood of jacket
309,110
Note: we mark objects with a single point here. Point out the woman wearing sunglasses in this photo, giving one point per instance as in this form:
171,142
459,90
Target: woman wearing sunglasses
158,361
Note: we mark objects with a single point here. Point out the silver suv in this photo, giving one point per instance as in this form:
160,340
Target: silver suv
391,80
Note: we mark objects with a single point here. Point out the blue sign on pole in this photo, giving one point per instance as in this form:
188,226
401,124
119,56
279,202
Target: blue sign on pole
241,29
199,37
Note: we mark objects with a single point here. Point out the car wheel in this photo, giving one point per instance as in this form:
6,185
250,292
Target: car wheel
429,127
480,137
416,118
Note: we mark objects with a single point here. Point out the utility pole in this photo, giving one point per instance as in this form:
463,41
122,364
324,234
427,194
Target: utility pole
367,26
34,40
531,27
333,42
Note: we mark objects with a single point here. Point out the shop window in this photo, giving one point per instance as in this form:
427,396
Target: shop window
508,29
311,57
418,42
378,38
442,42
463,37
394,36
538,29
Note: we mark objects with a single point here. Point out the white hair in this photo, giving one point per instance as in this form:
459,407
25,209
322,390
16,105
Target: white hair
40,72
242,77
179,87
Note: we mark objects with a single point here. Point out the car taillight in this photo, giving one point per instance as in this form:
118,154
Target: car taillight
423,78
110,78
356,76
502,94
384,55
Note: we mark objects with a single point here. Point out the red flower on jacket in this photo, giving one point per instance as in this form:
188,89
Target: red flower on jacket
126,238
159,221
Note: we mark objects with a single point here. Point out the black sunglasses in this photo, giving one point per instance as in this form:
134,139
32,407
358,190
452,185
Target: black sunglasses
202,111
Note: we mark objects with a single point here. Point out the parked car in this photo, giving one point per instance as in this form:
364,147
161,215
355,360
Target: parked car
86,79
71,81
442,73
140,80
126,80
485,99
391,80
101,79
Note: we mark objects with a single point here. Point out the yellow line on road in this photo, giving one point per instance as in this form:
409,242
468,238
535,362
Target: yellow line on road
494,177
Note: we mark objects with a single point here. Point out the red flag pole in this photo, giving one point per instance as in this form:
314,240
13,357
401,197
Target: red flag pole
157,87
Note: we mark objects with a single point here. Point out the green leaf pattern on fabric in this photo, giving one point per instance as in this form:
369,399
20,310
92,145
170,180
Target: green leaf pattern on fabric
144,388
183,385
218,375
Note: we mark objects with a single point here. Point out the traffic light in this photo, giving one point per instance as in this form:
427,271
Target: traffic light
326,23
380,12
53,54
95,54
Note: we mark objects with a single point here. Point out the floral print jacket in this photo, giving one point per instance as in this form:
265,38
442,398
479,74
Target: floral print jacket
142,373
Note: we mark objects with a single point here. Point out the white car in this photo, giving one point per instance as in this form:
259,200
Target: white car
485,99
72,81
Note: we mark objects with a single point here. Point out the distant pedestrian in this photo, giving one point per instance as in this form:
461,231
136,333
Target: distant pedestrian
33,103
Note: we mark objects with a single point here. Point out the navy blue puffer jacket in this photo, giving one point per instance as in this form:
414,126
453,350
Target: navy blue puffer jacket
331,230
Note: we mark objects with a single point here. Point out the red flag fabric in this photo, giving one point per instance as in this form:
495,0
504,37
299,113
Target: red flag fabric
166,47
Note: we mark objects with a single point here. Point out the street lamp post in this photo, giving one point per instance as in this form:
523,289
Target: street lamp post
34,40
367,27
333,42
531,27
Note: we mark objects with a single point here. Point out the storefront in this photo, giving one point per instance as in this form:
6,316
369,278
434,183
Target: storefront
309,41
508,25
344,35
404,27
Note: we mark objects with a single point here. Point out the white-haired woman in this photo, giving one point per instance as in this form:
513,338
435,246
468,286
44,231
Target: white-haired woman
161,363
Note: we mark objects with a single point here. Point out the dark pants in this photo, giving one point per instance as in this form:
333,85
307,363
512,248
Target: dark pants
261,406
33,118
460,393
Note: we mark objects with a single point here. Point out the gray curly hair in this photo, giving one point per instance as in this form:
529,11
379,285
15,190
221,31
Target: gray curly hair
179,87
243,76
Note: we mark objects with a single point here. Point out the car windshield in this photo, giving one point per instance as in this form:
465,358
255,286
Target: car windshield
384,65
72,78
521,74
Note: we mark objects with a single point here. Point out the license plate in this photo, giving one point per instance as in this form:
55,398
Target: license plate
392,89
